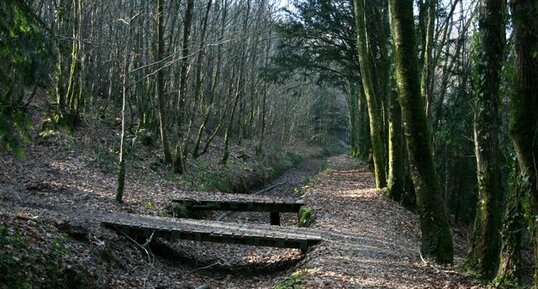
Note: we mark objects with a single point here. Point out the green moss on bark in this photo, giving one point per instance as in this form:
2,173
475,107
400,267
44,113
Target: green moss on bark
396,180
436,235
487,62
523,124
376,123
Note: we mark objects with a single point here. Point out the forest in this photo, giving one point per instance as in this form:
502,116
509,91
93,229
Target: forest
147,144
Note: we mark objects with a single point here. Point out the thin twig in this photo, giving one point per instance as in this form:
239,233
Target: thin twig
205,267
151,258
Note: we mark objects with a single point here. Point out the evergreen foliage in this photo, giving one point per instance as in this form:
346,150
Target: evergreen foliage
24,58
317,38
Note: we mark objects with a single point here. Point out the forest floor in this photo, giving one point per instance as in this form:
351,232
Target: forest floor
369,241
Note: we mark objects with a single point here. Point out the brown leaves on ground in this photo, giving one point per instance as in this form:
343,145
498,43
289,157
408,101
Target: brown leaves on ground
369,240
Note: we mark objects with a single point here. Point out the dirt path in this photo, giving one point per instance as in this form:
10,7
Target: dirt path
370,241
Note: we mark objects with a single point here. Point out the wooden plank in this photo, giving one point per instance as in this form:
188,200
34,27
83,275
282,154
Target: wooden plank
211,231
238,202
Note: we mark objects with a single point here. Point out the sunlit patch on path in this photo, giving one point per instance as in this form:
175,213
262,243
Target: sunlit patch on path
369,240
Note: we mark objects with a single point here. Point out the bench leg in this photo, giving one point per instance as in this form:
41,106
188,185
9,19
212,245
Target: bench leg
275,218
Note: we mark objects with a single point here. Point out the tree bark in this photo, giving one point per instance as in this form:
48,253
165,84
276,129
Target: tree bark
160,85
427,67
436,236
374,111
179,164
353,102
125,92
396,180
523,124
486,239
511,258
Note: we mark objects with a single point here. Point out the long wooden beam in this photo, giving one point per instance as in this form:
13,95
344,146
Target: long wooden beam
213,231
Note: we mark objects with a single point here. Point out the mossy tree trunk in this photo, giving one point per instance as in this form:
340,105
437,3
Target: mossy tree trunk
523,125
353,99
380,54
396,179
374,111
73,92
364,127
68,76
510,263
436,235
486,239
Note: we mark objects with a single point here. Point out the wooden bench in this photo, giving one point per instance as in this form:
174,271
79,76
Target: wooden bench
213,231
241,202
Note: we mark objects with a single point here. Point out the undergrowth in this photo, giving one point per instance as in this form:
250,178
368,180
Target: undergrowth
306,217
24,265
294,281
238,176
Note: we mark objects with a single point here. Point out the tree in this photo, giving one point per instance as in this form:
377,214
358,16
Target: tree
160,85
396,177
427,67
25,62
486,240
126,89
69,90
374,106
523,122
198,93
436,236
179,163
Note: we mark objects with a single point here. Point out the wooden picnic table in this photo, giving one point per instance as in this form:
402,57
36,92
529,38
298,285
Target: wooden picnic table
240,202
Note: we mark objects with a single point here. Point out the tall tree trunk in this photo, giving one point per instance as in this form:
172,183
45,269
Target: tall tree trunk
374,111
228,129
179,164
364,127
523,125
212,90
396,180
160,85
486,240
262,114
125,92
353,99
198,91
427,67
436,236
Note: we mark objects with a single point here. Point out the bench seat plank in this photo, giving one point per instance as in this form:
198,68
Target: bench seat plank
238,202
